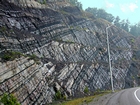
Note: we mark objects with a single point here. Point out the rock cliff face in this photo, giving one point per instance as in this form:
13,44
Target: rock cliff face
72,53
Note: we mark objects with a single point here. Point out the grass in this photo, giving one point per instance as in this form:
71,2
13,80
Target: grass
85,100
79,101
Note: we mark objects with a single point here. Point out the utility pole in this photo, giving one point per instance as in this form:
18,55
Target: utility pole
108,48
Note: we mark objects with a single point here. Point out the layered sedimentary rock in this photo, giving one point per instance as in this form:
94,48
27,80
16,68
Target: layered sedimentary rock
72,53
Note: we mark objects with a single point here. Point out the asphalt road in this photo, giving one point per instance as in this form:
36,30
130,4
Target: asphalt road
124,97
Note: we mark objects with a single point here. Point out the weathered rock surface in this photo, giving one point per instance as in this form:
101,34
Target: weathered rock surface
72,51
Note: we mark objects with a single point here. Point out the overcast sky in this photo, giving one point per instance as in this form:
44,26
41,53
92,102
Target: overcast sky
125,9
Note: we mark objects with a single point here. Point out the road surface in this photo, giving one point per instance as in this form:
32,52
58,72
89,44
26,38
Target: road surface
124,97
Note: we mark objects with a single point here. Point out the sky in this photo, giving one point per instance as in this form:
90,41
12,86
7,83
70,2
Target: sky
125,9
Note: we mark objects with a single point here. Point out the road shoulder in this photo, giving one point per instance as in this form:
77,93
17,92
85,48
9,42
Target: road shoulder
101,100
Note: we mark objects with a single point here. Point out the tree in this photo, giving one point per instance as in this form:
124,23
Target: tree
110,18
127,25
75,3
122,23
93,11
78,4
101,13
135,29
138,28
117,21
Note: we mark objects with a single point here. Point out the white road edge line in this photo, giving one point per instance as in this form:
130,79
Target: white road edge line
136,95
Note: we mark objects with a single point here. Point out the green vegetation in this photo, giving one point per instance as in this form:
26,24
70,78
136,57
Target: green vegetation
135,29
79,101
42,1
138,76
124,24
86,90
8,100
66,41
87,15
86,100
71,27
69,41
3,29
133,59
6,32
34,57
59,96
75,3
10,55
64,12
98,91
100,13
132,40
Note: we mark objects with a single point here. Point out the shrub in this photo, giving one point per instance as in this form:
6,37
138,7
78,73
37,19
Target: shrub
42,2
34,57
8,100
64,97
3,29
98,91
86,90
10,55
58,95
132,40
6,57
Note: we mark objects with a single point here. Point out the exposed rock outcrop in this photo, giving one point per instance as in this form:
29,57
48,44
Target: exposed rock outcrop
72,53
